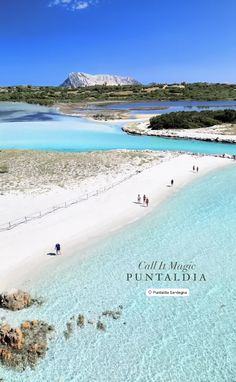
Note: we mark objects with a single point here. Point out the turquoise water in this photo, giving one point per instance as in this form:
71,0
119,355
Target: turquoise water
86,136
33,127
25,112
156,339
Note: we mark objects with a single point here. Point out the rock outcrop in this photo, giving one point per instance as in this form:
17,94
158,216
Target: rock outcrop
24,346
115,314
16,300
81,321
101,326
79,79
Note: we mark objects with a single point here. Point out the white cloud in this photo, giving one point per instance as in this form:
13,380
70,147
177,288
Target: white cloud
80,5
73,5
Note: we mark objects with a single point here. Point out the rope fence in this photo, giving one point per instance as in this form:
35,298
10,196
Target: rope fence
38,215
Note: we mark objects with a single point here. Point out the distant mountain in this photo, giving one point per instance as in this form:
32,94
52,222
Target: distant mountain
77,80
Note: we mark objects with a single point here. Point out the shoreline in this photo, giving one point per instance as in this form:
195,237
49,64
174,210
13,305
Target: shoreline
99,115
200,134
137,124
25,248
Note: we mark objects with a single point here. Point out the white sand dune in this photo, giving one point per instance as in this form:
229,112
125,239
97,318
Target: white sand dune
24,249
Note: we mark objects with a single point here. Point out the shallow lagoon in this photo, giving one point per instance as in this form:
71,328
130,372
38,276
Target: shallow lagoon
34,127
161,107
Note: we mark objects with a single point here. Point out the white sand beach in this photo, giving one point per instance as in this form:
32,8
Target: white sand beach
24,248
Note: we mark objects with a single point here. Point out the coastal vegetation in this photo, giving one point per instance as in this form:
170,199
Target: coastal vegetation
3,168
48,95
35,171
192,119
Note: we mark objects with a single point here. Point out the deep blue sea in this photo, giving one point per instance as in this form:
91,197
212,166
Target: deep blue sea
167,339
34,127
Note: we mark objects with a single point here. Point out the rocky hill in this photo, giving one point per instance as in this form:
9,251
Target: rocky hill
78,79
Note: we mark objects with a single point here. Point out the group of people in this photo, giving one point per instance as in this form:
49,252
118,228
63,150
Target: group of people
145,203
139,199
145,200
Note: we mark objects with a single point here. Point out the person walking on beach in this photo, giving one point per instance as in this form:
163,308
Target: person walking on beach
197,169
193,168
144,199
172,182
58,249
139,199
147,202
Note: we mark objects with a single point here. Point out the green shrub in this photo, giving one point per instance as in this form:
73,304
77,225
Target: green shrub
192,119
3,168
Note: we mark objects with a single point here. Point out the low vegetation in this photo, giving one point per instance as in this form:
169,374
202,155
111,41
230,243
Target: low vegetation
3,168
192,119
45,95
35,171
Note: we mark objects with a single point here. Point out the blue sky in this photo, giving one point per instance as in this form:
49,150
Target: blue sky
151,40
